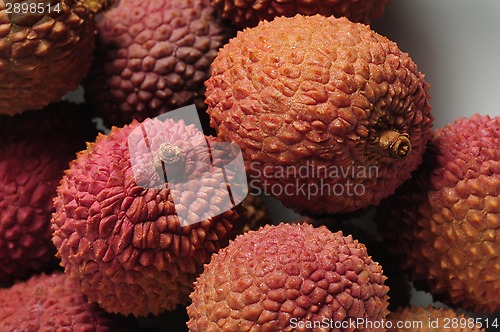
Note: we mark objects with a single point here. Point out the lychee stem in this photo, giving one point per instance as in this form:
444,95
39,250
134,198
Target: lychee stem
169,154
398,145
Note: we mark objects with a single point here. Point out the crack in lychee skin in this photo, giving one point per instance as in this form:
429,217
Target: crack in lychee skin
397,145
171,161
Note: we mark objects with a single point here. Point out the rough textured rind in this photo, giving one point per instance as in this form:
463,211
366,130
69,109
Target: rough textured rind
397,279
43,55
35,149
123,243
53,303
248,13
265,278
153,57
444,224
432,314
319,95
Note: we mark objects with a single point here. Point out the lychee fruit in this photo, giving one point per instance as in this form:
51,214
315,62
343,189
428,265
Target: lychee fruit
420,319
283,277
444,224
249,13
152,57
117,225
45,50
397,280
330,116
53,303
35,149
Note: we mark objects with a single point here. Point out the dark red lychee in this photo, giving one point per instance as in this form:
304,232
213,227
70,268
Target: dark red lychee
35,149
153,56
53,303
117,226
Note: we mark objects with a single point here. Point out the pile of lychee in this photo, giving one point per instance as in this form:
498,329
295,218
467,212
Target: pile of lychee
330,118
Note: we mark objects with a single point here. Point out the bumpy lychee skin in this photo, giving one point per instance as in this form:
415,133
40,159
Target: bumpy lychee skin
442,320
35,149
44,52
52,303
266,279
116,227
330,116
152,57
397,279
249,13
444,224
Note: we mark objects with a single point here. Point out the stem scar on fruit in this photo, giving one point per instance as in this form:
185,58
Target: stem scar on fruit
169,153
398,145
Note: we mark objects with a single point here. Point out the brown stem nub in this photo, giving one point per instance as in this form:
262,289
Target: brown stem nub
398,145
169,154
